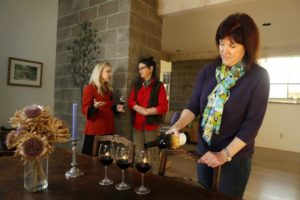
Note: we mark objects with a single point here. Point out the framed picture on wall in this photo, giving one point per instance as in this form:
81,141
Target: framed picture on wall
24,72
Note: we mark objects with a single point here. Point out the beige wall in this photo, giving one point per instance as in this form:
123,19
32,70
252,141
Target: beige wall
280,128
28,31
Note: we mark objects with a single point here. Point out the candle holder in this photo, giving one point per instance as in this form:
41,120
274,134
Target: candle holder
74,171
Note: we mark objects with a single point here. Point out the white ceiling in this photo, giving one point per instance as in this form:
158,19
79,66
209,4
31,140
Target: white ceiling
194,32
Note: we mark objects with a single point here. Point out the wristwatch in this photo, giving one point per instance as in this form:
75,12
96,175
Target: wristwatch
229,158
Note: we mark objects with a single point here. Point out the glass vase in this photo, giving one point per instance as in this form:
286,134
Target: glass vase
36,174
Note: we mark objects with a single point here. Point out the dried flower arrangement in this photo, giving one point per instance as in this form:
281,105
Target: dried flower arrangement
35,132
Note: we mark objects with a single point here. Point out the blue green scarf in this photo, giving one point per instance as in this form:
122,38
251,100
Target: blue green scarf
212,115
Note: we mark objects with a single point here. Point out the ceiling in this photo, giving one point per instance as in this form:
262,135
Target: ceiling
194,31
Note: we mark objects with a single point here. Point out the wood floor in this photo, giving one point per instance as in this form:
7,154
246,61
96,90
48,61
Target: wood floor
275,174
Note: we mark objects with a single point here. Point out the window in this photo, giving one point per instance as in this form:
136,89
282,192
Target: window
284,77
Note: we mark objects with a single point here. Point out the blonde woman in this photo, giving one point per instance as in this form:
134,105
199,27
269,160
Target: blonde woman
98,107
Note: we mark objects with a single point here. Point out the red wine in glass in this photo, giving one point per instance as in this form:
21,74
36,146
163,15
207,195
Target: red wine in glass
143,167
123,163
106,160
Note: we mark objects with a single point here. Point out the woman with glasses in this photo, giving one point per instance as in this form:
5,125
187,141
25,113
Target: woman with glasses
148,102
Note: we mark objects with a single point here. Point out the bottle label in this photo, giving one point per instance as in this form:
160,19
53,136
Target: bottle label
177,140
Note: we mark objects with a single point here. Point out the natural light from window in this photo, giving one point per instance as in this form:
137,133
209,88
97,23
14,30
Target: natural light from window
284,75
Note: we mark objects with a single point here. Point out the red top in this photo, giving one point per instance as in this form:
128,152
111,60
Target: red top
143,97
101,122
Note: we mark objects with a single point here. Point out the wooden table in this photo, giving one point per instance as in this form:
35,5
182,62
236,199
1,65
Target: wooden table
87,187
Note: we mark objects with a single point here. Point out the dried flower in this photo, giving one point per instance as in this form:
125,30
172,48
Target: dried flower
36,131
10,137
33,147
19,130
32,111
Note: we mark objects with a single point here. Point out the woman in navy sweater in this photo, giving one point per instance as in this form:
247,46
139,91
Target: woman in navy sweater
231,96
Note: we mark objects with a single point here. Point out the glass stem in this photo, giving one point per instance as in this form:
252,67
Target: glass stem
142,180
105,172
123,176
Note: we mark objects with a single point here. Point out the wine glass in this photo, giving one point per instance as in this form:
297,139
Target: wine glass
122,100
143,165
106,157
123,161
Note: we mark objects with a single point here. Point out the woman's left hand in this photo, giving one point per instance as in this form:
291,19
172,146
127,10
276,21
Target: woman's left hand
120,108
151,111
213,159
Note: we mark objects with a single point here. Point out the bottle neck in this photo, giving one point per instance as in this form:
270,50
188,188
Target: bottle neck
151,144
167,141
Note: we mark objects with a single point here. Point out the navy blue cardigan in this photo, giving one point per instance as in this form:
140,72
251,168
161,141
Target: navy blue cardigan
243,112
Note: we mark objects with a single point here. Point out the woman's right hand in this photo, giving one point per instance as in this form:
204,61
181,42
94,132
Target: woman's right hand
141,110
98,104
174,129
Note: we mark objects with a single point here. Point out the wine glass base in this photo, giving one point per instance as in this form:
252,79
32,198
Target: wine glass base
122,186
106,181
142,190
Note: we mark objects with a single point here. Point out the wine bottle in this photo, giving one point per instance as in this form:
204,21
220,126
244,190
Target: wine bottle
172,141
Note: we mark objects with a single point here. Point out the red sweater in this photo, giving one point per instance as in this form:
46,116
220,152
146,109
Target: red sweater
101,122
143,97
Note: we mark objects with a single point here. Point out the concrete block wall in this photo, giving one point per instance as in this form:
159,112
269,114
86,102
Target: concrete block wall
129,29
145,34
183,78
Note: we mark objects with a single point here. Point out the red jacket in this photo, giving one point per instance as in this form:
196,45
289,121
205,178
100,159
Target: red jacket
143,97
101,122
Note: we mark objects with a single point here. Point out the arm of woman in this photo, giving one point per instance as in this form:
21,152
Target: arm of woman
215,159
186,117
133,104
88,108
193,109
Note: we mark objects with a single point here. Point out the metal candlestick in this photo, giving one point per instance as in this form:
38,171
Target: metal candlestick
74,171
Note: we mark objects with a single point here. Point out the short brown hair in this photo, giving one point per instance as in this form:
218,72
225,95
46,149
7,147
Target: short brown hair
243,30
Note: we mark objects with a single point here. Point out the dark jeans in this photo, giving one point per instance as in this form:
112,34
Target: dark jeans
234,176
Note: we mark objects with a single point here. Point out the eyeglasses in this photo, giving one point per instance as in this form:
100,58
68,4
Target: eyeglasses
141,68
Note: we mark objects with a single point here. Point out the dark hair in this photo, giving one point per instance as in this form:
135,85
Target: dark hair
149,62
243,30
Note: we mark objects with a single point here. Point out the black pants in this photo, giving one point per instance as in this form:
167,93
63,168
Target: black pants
88,143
